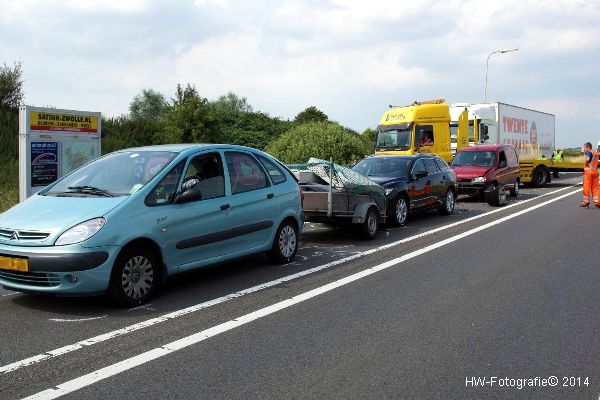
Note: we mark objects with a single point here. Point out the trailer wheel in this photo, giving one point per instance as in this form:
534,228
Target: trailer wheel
540,176
368,229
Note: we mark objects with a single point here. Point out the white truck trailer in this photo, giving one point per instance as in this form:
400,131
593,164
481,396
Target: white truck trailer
531,132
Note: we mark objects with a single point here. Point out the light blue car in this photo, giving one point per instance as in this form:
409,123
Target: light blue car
125,222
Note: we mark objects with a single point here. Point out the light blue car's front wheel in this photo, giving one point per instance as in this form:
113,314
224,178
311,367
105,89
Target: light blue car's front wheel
285,244
134,277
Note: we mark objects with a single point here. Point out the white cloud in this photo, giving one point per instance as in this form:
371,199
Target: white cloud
107,5
557,40
349,57
237,63
50,7
567,107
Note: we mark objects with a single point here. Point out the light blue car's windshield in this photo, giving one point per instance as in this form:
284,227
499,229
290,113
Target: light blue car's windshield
117,174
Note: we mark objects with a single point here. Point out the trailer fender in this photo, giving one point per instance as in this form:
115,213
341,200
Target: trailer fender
360,212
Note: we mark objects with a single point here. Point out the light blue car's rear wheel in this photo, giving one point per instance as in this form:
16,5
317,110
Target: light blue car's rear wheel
285,244
134,277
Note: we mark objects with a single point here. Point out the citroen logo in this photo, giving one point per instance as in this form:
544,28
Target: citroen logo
14,236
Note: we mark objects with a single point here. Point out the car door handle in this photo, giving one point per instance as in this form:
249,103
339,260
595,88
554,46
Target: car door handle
225,206
270,195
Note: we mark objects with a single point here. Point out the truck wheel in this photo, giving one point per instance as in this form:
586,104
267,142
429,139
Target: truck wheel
285,244
399,211
539,178
368,229
514,192
135,277
448,204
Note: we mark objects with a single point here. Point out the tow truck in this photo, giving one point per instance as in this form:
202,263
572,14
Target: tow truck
427,127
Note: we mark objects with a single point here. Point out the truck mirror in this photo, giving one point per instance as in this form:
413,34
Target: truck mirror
483,133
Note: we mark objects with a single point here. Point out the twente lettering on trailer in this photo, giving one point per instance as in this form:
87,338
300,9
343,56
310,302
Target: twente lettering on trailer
515,125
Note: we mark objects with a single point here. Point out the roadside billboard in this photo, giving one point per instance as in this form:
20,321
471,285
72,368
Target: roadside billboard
54,142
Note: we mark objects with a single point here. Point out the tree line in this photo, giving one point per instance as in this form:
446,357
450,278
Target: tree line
188,117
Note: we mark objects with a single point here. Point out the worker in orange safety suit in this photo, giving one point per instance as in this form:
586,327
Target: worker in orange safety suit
590,176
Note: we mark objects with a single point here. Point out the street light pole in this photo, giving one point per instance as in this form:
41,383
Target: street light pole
487,64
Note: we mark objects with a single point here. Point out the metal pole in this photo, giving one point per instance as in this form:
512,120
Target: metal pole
330,194
487,64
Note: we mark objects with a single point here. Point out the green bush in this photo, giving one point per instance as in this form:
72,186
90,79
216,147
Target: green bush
123,132
254,129
321,140
9,158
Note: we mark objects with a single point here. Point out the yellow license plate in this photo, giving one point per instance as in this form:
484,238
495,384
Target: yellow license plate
14,264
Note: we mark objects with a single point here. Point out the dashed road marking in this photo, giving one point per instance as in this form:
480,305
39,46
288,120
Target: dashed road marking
77,319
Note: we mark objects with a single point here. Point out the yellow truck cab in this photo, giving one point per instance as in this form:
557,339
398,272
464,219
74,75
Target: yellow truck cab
422,127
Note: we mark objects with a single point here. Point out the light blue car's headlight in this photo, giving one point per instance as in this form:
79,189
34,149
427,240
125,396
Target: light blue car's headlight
479,179
80,232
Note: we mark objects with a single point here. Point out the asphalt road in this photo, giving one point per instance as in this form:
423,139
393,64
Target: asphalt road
431,310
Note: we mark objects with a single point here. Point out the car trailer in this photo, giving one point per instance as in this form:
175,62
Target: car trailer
337,195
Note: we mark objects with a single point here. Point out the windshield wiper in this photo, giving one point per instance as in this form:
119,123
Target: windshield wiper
90,190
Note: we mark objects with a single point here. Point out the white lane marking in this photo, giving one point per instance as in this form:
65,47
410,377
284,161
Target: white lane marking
143,358
143,307
9,294
77,319
201,306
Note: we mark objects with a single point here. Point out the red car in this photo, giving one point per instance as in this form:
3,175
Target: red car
479,167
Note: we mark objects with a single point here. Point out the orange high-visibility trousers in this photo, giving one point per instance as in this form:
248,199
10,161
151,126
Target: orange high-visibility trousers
590,186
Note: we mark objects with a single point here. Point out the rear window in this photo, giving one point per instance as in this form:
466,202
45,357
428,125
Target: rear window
431,166
244,172
442,164
276,174
513,160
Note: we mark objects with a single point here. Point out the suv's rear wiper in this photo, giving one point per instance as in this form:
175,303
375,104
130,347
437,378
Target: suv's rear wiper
91,190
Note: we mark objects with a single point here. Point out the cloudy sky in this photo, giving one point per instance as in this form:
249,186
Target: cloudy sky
349,58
